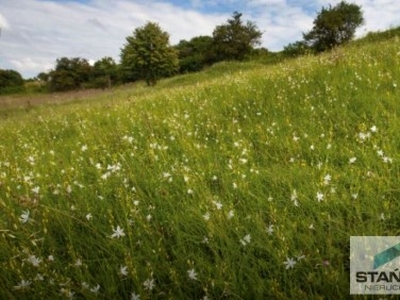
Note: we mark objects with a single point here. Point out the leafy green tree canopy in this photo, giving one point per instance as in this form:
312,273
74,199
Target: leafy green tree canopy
235,40
70,74
42,76
105,72
10,82
296,49
334,26
10,78
194,54
148,55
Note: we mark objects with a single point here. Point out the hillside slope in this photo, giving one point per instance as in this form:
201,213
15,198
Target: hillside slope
245,181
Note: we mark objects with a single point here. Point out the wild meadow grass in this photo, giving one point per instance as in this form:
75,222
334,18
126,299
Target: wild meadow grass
242,182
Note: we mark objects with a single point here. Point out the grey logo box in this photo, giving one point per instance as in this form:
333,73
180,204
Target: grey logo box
375,265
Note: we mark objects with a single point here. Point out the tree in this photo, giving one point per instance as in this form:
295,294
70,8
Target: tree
70,74
235,40
296,49
105,72
42,76
194,54
334,26
147,55
10,78
10,82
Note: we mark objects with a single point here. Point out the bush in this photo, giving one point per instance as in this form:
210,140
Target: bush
11,82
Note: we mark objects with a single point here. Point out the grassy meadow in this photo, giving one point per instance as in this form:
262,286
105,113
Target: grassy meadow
244,181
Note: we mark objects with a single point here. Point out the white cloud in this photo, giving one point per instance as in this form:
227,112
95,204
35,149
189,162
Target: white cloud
379,14
282,21
30,64
267,2
50,30
34,37
3,22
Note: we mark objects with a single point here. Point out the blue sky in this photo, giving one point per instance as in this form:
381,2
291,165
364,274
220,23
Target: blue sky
37,32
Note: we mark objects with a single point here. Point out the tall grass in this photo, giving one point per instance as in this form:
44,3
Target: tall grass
242,182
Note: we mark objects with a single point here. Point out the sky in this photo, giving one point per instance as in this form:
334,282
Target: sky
34,33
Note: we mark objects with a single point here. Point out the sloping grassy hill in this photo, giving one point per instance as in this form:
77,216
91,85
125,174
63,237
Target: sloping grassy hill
242,182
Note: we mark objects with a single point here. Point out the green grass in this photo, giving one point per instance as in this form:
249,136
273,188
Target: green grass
215,173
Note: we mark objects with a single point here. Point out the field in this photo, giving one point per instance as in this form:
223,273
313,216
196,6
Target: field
245,181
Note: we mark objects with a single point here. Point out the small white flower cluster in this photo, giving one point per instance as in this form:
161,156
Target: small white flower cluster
246,240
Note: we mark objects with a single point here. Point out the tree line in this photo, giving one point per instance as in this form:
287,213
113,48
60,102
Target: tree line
333,26
147,54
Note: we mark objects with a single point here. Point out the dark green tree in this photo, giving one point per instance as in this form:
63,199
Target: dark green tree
148,55
334,26
105,73
194,54
296,49
235,40
10,82
70,74
42,76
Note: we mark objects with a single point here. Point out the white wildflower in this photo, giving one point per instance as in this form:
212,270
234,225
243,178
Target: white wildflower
24,218
320,196
118,232
36,189
123,270
293,198
300,257
270,229
95,289
290,263
34,260
192,274
78,263
327,179
246,240
218,204
352,160
134,296
149,284
69,189
24,284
